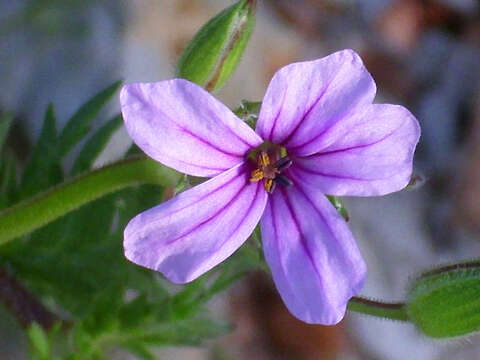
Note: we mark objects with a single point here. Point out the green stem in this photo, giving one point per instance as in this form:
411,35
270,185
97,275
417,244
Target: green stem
392,311
45,207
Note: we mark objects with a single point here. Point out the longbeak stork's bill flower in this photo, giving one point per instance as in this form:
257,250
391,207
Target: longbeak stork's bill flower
318,133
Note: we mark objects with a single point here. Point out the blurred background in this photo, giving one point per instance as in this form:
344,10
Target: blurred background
424,55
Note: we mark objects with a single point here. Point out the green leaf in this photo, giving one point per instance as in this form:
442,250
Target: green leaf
78,256
445,302
234,269
84,344
134,313
43,169
213,54
5,122
103,313
8,180
339,205
192,331
248,111
80,263
140,351
79,124
39,342
95,145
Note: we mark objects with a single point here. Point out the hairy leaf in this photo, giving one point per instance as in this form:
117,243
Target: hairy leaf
79,124
43,169
95,145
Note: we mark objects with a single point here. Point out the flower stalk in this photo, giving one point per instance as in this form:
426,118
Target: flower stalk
56,202
380,309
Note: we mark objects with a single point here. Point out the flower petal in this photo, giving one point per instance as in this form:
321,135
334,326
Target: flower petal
304,99
181,125
197,229
368,154
315,262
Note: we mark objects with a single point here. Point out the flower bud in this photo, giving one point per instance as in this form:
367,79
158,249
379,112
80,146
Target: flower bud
214,52
445,302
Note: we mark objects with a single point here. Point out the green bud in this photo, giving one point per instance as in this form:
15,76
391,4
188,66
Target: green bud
339,205
214,52
445,302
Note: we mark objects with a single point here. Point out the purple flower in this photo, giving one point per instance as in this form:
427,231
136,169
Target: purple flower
317,133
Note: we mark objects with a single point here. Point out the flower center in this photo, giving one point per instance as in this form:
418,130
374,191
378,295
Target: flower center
269,165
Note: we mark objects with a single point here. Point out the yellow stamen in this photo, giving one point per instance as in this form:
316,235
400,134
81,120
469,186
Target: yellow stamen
268,184
264,159
256,175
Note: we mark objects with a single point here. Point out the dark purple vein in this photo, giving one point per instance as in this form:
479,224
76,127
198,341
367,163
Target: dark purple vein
306,114
277,246
272,128
206,221
228,182
230,130
253,202
209,143
332,152
299,230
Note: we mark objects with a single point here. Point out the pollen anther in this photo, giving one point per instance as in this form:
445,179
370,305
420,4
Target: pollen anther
264,159
270,173
256,175
269,185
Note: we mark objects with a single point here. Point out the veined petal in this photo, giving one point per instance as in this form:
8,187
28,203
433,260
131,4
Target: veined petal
181,125
305,99
315,262
197,229
370,153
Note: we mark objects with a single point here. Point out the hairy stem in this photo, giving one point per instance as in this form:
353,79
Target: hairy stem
392,311
56,202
